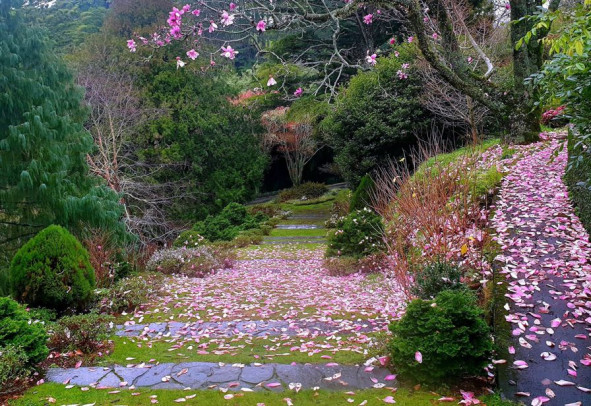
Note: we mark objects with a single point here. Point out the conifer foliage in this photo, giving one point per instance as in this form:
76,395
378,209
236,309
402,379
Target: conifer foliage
43,145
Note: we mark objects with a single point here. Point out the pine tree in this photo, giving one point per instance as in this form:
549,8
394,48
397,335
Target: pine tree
43,144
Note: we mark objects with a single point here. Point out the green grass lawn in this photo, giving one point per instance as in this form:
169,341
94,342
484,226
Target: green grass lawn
235,350
50,394
314,232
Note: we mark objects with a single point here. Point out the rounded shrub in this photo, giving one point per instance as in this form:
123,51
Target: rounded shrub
449,332
17,332
436,277
52,270
357,235
361,197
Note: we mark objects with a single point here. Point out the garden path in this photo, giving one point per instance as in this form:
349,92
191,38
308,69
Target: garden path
277,304
546,260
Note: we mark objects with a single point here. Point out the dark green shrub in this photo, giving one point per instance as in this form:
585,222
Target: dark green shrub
16,331
357,235
308,190
13,367
235,213
83,332
436,277
226,226
361,198
578,179
449,332
52,270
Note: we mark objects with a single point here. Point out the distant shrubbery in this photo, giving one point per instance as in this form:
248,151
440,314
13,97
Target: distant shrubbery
226,226
308,190
449,332
52,270
357,235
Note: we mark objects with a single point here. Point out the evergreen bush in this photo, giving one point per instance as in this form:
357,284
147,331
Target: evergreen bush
357,235
449,332
436,277
17,330
52,270
361,198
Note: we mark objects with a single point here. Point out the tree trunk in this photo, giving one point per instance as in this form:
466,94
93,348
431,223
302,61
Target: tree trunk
527,60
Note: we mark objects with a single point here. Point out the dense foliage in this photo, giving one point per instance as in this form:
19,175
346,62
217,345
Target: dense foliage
43,145
52,270
449,332
17,330
215,157
357,235
566,79
376,117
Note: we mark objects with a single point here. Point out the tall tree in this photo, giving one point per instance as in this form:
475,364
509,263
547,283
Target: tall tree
43,145
442,28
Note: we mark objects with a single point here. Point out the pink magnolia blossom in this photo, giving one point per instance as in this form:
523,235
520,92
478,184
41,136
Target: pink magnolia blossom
435,36
229,52
405,66
371,59
176,32
196,12
192,54
131,45
227,19
298,92
186,8
426,19
402,75
470,59
261,25
469,399
232,6
419,357
368,19
392,41
179,62
508,6
410,39
396,54
271,81
212,27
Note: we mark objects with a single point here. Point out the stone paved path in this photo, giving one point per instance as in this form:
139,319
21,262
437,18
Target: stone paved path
546,256
204,375
254,328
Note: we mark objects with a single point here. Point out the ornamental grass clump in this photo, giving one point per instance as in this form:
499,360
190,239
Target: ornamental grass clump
441,340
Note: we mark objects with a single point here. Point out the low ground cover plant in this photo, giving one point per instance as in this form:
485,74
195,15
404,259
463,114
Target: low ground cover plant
195,262
83,332
128,293
53,270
